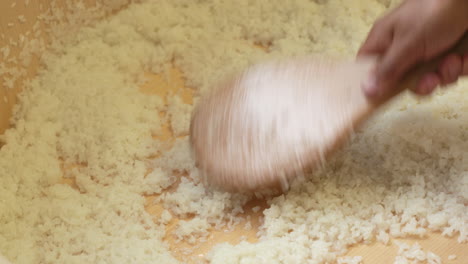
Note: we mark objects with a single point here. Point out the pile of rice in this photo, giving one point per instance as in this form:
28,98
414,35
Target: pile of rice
84,118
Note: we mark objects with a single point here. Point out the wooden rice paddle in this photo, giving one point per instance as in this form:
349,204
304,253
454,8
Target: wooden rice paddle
269,124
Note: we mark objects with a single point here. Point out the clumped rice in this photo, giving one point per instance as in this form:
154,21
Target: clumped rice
84,118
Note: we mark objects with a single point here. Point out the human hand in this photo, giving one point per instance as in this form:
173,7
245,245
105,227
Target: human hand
417,31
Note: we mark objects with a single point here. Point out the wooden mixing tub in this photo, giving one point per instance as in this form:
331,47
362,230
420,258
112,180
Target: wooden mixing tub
374,253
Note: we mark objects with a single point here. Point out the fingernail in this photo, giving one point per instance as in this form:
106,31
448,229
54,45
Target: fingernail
465,65
370,86
453,71
428,85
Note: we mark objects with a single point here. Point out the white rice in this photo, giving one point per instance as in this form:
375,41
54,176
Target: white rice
405,174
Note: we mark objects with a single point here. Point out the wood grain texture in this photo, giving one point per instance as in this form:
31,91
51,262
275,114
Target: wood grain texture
10,29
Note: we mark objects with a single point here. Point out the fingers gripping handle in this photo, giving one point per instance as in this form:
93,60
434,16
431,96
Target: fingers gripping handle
413,77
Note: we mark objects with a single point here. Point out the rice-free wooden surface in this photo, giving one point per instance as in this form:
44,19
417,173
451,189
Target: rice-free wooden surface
374,253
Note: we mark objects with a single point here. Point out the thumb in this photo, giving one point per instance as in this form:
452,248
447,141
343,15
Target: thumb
378,40
399,58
